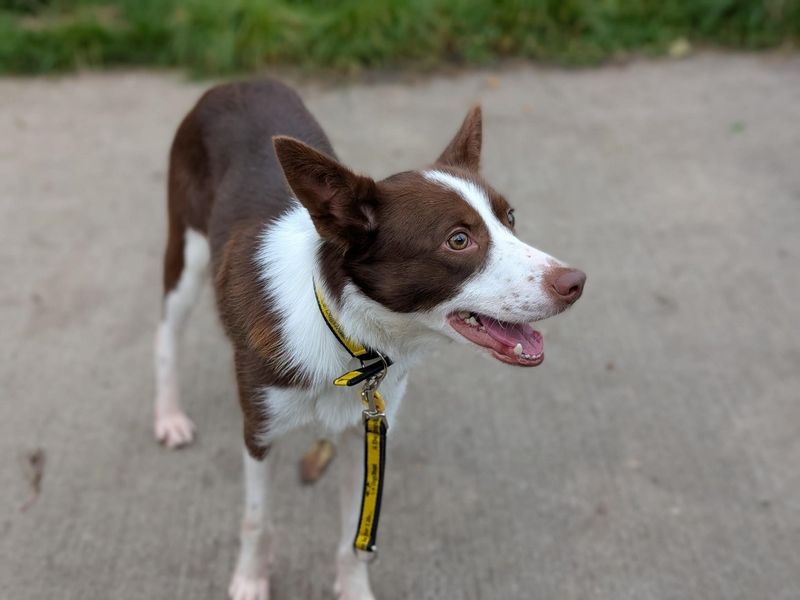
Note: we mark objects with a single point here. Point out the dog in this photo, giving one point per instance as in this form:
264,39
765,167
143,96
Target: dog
258,200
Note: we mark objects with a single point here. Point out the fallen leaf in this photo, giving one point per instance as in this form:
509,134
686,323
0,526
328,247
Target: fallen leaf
680,48
492,82
738,127
34,472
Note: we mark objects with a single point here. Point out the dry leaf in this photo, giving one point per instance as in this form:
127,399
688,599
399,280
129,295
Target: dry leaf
34,472
680,48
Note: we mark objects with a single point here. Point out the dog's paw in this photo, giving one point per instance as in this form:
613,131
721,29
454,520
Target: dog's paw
248,588
174,429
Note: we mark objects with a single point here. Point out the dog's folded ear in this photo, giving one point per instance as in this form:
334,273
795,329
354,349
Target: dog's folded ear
464,150
341,203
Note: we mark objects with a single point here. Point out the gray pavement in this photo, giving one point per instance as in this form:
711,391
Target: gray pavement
654,455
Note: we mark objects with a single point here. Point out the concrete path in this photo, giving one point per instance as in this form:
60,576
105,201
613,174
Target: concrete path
654,456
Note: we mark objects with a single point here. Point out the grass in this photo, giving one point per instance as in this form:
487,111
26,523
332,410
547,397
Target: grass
211,37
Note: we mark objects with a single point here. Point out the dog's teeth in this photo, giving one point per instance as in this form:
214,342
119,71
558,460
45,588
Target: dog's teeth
463,315
472,321
518,349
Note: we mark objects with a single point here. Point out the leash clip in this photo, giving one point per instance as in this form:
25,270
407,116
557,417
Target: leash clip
370,397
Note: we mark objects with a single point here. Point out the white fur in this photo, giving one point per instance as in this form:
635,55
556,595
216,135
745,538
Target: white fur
510,285
172,426
287,257
250,580
334,408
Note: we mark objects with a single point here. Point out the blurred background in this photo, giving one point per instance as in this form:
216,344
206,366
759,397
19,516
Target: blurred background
211,37
654,455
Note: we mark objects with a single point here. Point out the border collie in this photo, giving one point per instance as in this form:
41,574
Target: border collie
258,200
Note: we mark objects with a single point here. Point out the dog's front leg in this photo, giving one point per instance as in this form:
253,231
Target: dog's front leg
251,578
352,578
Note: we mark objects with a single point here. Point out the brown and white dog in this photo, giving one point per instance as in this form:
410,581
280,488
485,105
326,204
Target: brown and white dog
257,197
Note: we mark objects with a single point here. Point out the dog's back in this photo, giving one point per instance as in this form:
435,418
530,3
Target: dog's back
223,171
225,186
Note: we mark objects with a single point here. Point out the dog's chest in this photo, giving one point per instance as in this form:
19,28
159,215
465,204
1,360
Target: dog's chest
330,407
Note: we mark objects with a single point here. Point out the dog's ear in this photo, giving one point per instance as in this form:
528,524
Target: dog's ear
464,150
341,203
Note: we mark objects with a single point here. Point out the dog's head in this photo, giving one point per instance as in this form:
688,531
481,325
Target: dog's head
436,244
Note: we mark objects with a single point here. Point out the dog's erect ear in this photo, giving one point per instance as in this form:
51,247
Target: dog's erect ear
341,203
464,150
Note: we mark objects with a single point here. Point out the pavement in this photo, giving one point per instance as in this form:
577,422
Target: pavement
654,455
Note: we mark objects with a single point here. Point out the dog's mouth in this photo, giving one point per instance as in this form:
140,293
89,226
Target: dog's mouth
512,343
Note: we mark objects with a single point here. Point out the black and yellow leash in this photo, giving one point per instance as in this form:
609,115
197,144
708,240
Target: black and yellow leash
375,426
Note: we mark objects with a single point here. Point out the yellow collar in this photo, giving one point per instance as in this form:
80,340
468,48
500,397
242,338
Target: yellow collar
356,350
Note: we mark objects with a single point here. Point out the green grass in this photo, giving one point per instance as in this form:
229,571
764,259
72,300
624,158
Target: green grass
227,36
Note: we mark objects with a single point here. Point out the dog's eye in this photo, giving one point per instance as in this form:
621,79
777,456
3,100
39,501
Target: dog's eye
510,216
458,241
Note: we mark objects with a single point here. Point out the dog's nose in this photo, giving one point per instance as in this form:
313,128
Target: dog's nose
569,284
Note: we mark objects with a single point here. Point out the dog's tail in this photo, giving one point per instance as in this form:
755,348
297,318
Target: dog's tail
316,460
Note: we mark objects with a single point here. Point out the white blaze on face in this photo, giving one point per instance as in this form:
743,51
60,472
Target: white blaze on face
509,287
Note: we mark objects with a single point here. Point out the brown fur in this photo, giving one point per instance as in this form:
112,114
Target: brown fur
341,203
225,181
387,237
229,181
464,150
405,266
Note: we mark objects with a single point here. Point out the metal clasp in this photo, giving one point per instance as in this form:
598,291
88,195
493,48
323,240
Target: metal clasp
369,392
370,387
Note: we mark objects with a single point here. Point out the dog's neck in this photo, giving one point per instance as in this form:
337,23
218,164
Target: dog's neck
288,262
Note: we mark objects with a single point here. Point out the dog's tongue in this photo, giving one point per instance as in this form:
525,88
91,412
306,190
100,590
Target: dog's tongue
511,334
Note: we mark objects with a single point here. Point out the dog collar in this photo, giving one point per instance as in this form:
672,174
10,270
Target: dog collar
380,362
375,428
